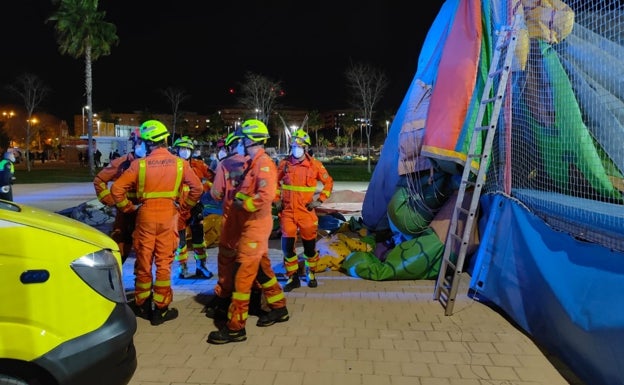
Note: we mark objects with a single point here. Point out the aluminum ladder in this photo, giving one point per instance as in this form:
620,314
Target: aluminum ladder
457,239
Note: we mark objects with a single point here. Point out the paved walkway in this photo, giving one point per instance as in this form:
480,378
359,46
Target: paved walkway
347,331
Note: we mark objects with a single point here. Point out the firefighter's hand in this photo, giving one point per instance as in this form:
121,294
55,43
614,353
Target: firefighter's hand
278,205
197,213
5,189
238,203
314,204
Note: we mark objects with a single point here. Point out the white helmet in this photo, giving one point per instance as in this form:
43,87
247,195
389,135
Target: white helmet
9,155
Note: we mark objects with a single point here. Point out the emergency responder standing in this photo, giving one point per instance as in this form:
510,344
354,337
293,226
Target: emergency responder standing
222,147
298,175
229,172
7,175
251,210
193,219
123,226
157,180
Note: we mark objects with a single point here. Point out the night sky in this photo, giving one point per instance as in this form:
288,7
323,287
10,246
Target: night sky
205,48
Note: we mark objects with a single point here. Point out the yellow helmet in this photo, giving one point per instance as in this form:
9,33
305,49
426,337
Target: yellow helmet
154,131
301,138
231,138
253,129
185,142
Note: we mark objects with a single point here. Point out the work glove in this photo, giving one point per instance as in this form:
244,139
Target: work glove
5,189
197,213
278,205
314,204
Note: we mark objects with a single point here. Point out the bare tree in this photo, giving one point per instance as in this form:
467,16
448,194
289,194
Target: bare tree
32,91
175,96
367,85
259,95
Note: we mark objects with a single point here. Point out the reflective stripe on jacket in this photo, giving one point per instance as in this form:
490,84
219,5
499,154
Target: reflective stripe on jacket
298,179
158,176
109,174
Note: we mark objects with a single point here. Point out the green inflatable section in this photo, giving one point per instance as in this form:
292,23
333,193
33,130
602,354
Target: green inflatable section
556,143
412,211
418,258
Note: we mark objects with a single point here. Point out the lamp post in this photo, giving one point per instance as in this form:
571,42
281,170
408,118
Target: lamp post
83,118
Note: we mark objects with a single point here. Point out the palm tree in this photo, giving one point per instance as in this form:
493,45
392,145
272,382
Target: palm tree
82,32
315,123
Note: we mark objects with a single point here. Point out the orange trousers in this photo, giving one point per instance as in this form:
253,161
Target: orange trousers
250,263
226,256
155,239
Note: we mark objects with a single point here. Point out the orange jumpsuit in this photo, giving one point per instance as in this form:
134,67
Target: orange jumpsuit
156,180
297,184
197,227
256,191
123,226
228,174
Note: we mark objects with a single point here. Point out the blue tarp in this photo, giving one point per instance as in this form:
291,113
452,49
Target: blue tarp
562,291
385,177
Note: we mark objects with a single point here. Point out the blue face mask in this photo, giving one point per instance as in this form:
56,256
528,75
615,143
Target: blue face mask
184,153
140,151
240,148
297,152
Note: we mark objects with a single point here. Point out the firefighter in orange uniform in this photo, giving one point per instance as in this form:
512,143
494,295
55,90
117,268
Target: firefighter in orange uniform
251,211
123,226
298,175
193,219
230,170
157,180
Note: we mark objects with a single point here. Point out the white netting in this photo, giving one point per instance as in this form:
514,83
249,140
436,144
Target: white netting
560,138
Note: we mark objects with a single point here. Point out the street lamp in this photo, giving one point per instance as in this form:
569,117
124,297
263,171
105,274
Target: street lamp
83,118
387,123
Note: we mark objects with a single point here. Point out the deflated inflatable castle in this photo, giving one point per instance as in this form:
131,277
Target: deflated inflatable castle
548,249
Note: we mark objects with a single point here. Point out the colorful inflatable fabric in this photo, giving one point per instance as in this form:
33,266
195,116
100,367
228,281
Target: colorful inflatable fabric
418,258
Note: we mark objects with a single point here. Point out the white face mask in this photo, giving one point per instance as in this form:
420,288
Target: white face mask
240,148
140,151
184,153
221,154
297,152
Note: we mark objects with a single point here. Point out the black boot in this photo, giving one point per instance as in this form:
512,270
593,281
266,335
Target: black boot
201,270
142,311
160,316
275,315
217,308
293,283
225,335
311,279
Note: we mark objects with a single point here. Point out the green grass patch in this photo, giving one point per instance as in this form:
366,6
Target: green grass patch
52,173
349,172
